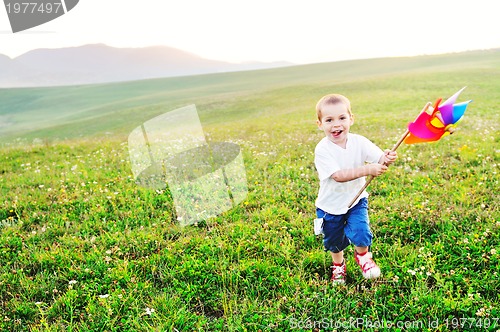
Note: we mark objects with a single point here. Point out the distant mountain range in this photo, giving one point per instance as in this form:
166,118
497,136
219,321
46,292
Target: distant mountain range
99,63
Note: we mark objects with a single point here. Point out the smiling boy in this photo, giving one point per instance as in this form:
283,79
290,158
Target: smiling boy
343,160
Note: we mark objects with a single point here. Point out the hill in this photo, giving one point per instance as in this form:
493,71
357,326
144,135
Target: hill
99,63
86,110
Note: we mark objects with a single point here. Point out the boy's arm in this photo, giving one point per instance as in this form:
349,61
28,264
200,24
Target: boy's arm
345,175
370,169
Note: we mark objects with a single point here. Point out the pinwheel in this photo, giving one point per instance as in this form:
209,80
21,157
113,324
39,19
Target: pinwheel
442,121
429,127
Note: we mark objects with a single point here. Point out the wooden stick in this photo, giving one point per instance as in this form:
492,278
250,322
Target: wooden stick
394,148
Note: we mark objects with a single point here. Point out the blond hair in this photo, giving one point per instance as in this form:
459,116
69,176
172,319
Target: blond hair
332,99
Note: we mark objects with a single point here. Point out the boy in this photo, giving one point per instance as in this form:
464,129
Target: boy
340,160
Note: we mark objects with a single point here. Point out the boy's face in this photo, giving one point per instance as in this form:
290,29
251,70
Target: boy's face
335,122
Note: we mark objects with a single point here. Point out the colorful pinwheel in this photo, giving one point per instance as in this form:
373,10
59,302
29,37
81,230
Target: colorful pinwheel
442,121
429,127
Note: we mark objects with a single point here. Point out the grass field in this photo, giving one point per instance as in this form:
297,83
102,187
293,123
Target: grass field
83,248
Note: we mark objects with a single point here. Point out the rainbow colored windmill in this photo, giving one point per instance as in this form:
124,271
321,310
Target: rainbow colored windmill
429,127
442,121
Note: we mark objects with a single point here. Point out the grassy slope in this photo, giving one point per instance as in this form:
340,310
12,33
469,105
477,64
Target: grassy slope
70,210
119,107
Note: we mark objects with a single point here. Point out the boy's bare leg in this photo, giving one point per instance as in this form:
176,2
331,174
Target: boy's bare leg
338,257
361,250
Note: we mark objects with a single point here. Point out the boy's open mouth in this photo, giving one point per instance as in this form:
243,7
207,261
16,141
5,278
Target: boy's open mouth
336,133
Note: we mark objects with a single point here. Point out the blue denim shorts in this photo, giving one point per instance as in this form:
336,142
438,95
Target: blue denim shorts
344,229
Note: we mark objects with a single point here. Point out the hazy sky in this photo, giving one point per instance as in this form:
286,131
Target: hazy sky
270,30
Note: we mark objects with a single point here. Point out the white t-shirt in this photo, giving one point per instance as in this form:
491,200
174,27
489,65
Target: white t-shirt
333,196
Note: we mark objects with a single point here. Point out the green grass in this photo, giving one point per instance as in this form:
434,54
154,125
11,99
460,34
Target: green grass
83,248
